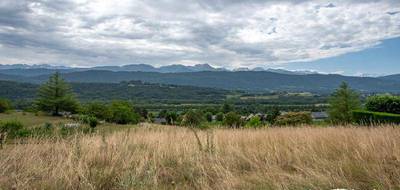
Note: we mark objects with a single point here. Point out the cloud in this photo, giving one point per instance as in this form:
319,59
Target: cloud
228,33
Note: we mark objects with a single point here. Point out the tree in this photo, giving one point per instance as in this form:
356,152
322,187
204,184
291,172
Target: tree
209,116
193,120
341,104
226,107
4,105
272,115
232,119
383,103
171,117
55,96
219,116
142,112
122,112
98,110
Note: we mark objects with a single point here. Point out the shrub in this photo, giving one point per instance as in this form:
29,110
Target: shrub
90,120
272,115
98,110
219,116
383,103
171,117
370,118
294,118
209,116
122,113
42,131
232,119
5,105
193,118
254,122
12,128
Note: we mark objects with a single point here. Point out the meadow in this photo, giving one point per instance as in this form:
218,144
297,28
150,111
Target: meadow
149,156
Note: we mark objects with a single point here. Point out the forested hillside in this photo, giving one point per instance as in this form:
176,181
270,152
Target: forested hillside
134,90
246,80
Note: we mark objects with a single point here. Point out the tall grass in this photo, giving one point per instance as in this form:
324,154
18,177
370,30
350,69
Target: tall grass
168,158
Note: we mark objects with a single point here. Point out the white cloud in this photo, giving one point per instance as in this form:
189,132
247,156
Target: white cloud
222,33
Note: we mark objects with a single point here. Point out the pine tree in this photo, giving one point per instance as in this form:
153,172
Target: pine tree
55,96
342,102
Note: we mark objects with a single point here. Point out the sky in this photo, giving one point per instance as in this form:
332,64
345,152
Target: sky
352,37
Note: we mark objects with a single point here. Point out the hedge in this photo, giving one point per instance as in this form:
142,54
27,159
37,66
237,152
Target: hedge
369,117
294,118
383,103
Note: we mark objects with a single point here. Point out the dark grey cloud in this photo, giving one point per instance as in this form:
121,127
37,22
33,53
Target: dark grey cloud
230,33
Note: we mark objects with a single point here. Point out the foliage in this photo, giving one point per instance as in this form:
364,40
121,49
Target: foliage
89,119
193,118
254,122
219,117
171,117
294,118
97,109
232,119
370,118
272,115
122,112
342,102
12,128
226,107
163,113
209,116
383,103
5,105
55,96
150,117
143,112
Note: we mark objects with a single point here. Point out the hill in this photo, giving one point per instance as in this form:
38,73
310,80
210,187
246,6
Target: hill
134,90
395,77
244,80
240,80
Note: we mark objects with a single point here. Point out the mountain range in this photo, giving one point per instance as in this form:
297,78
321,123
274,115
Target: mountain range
253,81
34,70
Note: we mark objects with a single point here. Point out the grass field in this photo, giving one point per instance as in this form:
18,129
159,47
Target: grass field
30,119
167,157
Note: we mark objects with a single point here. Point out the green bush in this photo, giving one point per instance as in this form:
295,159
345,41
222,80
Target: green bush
232,119
294,118
12,128
254,122
370,118
219,116
383,103
122,113
46,130
88,119
193,118
272,115
209,116
99,110
5,105
171,117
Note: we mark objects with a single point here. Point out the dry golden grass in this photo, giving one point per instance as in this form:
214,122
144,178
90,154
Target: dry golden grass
161,157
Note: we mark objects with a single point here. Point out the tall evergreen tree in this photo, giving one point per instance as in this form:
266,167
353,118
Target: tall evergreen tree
342,102
55,96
